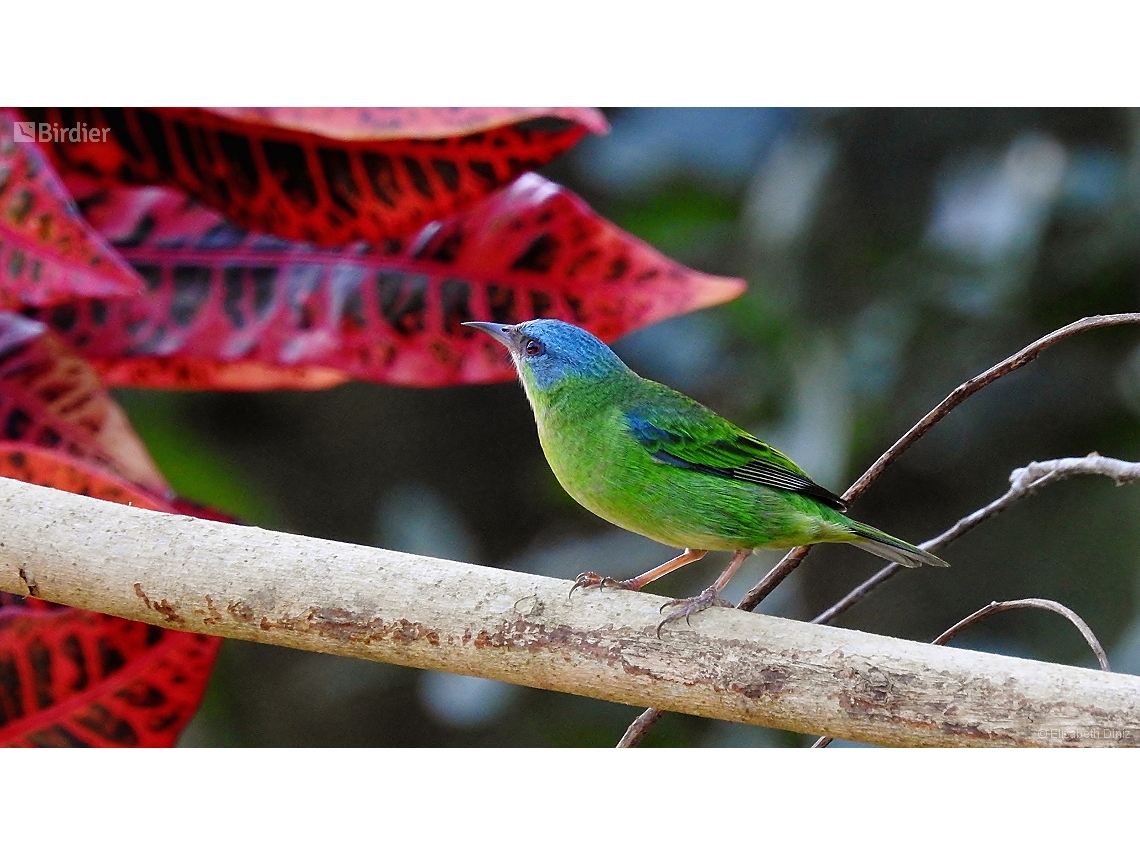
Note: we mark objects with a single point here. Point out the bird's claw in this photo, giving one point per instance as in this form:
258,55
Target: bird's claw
593,580
690,606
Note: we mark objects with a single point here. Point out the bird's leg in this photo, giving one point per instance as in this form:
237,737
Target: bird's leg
710,596
590,580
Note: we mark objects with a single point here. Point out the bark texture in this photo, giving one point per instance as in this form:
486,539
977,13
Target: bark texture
239,582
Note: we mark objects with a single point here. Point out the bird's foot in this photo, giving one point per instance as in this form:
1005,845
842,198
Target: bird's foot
690,606
593,580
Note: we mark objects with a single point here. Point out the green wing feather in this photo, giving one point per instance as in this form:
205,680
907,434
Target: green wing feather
678,431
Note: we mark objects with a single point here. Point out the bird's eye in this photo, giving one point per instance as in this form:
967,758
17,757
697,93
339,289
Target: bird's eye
534,347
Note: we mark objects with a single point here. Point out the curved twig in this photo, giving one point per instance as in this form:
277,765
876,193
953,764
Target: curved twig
1018,360
1031,603
1008,605
642,724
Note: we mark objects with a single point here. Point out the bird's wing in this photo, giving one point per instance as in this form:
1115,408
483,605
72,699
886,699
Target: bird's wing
680,432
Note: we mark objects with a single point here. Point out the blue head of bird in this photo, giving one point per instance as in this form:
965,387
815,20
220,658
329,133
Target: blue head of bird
546,352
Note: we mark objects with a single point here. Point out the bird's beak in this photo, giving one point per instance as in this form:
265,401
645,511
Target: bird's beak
502,333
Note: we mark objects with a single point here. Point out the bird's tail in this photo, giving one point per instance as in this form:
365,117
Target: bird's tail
891,548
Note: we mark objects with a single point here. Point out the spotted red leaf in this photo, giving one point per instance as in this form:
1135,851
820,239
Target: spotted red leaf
70,677
37,465
231,309
48,253
329,176
50,397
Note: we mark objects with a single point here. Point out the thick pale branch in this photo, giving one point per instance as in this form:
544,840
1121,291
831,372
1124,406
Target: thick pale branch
352,600
1030,603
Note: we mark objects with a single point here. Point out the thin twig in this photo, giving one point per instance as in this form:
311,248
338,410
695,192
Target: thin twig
641,726
1020,359
1023,357
1008,605
1031,603
1023,482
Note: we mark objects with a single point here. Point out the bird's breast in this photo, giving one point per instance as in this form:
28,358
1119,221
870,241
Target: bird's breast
608,472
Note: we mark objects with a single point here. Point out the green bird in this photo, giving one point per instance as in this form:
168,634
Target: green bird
653,461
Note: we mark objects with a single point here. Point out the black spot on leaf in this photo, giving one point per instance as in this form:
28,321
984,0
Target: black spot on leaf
485,171
39,657
73,652
539,256
151,126
419,177
63,317
287,163
101,721
448,173
121,132
403,300
382,176
501,303
17,424
455,294
238,155
11,699
338,178
110,658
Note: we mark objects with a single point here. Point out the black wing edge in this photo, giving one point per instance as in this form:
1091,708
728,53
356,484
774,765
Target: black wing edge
759,472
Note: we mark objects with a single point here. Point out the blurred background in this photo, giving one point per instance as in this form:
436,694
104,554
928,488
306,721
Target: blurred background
890,255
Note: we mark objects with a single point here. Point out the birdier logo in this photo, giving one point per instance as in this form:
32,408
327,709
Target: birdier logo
30,132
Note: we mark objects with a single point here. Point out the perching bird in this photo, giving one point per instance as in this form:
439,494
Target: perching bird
649,459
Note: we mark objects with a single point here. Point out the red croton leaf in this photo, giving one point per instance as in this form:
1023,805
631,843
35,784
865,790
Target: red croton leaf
50,397
329,176
229,309
49,468
48,252
70,676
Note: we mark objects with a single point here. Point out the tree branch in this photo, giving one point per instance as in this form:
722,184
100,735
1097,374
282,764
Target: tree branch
203,576
1023,482
1008,605
1020,359
1032,603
